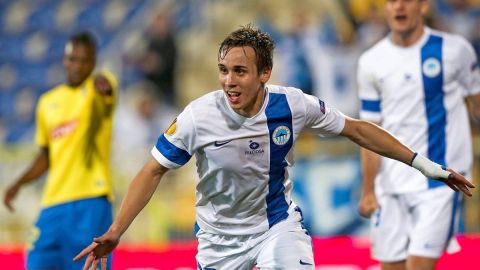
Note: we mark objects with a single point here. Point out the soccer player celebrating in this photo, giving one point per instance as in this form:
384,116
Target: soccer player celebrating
243,137
413,83
74,123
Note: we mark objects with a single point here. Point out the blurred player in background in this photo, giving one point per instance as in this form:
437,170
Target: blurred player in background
243,138
413,83
73,130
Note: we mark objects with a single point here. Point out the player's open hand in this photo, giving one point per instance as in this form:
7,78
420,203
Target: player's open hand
97,251
457,182
102,85
368,204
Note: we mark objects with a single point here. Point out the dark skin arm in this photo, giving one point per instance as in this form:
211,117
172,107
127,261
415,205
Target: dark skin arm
138,195
105,89
36,169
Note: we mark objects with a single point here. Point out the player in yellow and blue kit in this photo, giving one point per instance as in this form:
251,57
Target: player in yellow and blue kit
73,131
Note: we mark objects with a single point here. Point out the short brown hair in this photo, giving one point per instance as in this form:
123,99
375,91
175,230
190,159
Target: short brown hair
250,36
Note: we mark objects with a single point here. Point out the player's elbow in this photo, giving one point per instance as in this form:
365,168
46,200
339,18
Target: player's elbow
353,130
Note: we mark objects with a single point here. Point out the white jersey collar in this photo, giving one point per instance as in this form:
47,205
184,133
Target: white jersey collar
240,119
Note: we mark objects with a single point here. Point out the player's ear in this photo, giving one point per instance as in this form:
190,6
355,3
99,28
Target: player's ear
424,7
265,75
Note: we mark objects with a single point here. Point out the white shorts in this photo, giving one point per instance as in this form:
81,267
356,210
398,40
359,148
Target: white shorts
286,245
419,223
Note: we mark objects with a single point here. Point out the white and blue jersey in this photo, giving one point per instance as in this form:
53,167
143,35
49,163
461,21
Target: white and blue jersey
417,93
244,186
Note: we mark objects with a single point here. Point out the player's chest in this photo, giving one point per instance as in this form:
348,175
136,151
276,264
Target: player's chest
249,147
64,110
408,75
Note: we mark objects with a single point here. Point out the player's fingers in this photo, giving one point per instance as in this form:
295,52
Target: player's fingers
460,178
366,211
365,214
103,261
451,185
465,190
101,240
88,262
85,251
95,263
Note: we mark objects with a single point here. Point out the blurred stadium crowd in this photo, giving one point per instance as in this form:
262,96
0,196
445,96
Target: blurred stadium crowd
164,54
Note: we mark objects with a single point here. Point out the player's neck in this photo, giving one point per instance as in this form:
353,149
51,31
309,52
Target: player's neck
256,105
408,38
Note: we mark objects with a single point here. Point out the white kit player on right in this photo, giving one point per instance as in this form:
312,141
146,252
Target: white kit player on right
414,83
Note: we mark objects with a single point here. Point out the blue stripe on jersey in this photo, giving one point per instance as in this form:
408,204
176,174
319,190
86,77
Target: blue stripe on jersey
371,105
432,74
278,114
171,152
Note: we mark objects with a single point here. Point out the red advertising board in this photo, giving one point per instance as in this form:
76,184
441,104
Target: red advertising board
346,253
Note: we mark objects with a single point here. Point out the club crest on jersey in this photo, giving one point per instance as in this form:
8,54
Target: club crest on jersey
431,67
172,128
281,135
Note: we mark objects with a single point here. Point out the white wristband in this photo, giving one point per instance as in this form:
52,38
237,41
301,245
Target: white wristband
429,168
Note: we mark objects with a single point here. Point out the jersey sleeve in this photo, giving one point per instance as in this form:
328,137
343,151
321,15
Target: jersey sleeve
367,92
322,119
174,147
41,131
469,70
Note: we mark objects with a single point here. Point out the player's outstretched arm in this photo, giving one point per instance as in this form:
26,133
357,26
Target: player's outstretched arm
38,167
139,193
378,140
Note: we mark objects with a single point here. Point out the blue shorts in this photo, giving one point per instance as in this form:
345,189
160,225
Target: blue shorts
63,230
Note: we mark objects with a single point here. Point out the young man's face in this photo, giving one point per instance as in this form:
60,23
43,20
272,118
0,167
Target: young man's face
79,62
241,81
405,16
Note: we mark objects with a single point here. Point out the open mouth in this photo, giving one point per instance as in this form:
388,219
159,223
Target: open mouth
233,97
400,18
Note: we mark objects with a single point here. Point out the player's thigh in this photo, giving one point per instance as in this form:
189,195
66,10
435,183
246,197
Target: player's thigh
217,252
87,219
291,249
401,265
434,222
390,226
43,248
421,263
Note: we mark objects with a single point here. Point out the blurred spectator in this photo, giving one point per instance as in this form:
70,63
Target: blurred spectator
476,38
141,117
458,16
294,52
372,28
158,62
